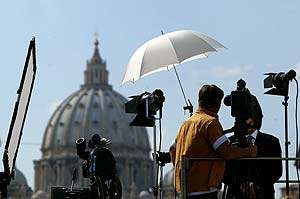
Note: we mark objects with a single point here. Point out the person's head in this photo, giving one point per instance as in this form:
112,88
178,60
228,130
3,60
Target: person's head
94,141
255,119
210,97
254,124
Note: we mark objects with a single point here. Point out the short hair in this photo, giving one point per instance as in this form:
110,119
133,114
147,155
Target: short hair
209,96
94,141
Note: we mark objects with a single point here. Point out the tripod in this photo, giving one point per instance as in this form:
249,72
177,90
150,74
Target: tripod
242,180
157,189
281,83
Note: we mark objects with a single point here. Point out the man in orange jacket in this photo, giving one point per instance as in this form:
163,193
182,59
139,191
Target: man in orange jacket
201,135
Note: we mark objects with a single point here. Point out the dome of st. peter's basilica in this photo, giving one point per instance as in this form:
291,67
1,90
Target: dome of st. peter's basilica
94,108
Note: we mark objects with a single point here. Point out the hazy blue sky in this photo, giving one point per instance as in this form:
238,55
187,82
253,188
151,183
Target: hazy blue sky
261,36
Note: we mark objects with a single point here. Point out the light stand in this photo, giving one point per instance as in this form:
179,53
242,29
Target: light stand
286,144
155,188
161,166
146,106
163,159
281,83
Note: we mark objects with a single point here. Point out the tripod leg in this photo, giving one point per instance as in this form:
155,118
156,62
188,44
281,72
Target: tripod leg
100,188
224,191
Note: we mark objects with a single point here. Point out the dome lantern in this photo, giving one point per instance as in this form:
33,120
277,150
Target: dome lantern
95,74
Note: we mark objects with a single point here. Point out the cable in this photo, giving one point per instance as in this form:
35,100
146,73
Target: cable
160,136
297,133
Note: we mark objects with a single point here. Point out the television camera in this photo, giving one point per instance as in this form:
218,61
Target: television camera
100,167
244,105
145,106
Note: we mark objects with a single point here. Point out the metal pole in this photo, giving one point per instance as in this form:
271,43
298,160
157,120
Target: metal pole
183,176
161,182
285,103
154,151
154,161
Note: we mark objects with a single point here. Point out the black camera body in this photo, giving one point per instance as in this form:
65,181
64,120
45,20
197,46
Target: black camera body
145,103
145,106
244,105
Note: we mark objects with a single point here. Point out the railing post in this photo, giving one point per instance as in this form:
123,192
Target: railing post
183,176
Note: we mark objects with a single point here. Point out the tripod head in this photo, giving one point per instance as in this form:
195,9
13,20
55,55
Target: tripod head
163,158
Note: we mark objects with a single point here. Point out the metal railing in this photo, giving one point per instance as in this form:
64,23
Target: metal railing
184,163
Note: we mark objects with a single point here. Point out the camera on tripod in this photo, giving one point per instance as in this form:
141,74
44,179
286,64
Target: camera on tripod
93,144
100,167
244,105
145,106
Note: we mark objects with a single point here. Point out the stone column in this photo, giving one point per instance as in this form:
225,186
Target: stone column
37,174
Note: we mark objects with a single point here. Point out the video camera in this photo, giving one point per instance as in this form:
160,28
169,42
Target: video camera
145,106
100,167
95,143
244,105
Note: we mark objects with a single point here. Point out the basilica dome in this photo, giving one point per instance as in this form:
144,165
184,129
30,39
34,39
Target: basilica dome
19,178
18,187
94,108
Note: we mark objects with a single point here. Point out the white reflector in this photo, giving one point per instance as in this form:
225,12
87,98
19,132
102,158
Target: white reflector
21,107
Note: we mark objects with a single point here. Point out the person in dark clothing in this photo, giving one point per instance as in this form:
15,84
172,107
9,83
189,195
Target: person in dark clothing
100,168
102,161
256,178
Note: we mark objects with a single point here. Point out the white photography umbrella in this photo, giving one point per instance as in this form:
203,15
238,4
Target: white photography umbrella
168,50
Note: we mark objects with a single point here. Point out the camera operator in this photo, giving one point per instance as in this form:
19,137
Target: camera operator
256,178
201,135
100,167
